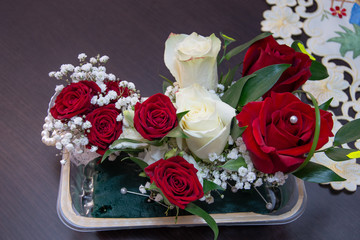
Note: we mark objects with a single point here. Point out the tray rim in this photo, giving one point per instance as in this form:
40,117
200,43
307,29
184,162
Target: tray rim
70,218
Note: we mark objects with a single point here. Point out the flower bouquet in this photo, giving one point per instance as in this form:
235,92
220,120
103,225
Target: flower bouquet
207,132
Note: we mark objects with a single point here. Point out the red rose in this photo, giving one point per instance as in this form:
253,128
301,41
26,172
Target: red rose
155,117
268,52
177,180
276,142
104,127
74,99
120,91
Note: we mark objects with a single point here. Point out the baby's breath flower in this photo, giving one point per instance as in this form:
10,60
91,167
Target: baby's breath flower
93,60
111,77
52,74
242,171
86,125
119,118
104,59
93,148
82,56
86,67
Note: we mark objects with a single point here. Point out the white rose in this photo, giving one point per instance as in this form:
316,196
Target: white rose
192,59
207,124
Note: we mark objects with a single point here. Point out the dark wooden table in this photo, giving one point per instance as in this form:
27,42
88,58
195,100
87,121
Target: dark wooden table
36,37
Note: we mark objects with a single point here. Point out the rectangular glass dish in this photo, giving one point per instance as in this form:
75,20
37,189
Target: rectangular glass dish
90,200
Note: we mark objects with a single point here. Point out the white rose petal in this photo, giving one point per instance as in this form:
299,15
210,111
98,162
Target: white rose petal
192,59
207,124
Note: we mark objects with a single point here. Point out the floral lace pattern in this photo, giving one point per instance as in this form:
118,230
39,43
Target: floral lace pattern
334,33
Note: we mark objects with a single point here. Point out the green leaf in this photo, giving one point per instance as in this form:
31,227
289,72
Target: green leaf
316,131
298,46
165,86
180,115
263,81
235,51
142,174
317,173
170,153
348,40
209,186
166,79
233,94
107,153
194,209
325,105
348,133
229,77
338,154
138,161
295,45
227,39
318,71
234,165
176,133
236,131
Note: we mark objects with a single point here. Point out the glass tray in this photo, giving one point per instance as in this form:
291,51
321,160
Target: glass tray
79,197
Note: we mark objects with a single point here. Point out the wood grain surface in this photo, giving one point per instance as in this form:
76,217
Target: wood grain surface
36,37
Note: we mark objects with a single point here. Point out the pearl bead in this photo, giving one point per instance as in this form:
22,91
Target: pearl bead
269,206
123,190
293,119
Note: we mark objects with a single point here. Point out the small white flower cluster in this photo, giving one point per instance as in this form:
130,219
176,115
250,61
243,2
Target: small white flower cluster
128,103
69,135
92,71
244,178
171,91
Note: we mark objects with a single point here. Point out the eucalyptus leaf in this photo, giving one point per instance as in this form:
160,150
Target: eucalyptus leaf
317,173
235,51
232,94
196,210
209,186
318,71
338,154
234,165
325,105
348,133
262,82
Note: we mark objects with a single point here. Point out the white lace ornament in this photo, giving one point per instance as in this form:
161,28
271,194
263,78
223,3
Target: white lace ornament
330,33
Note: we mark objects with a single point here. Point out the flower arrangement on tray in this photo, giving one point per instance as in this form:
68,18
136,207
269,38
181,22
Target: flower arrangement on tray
207,131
